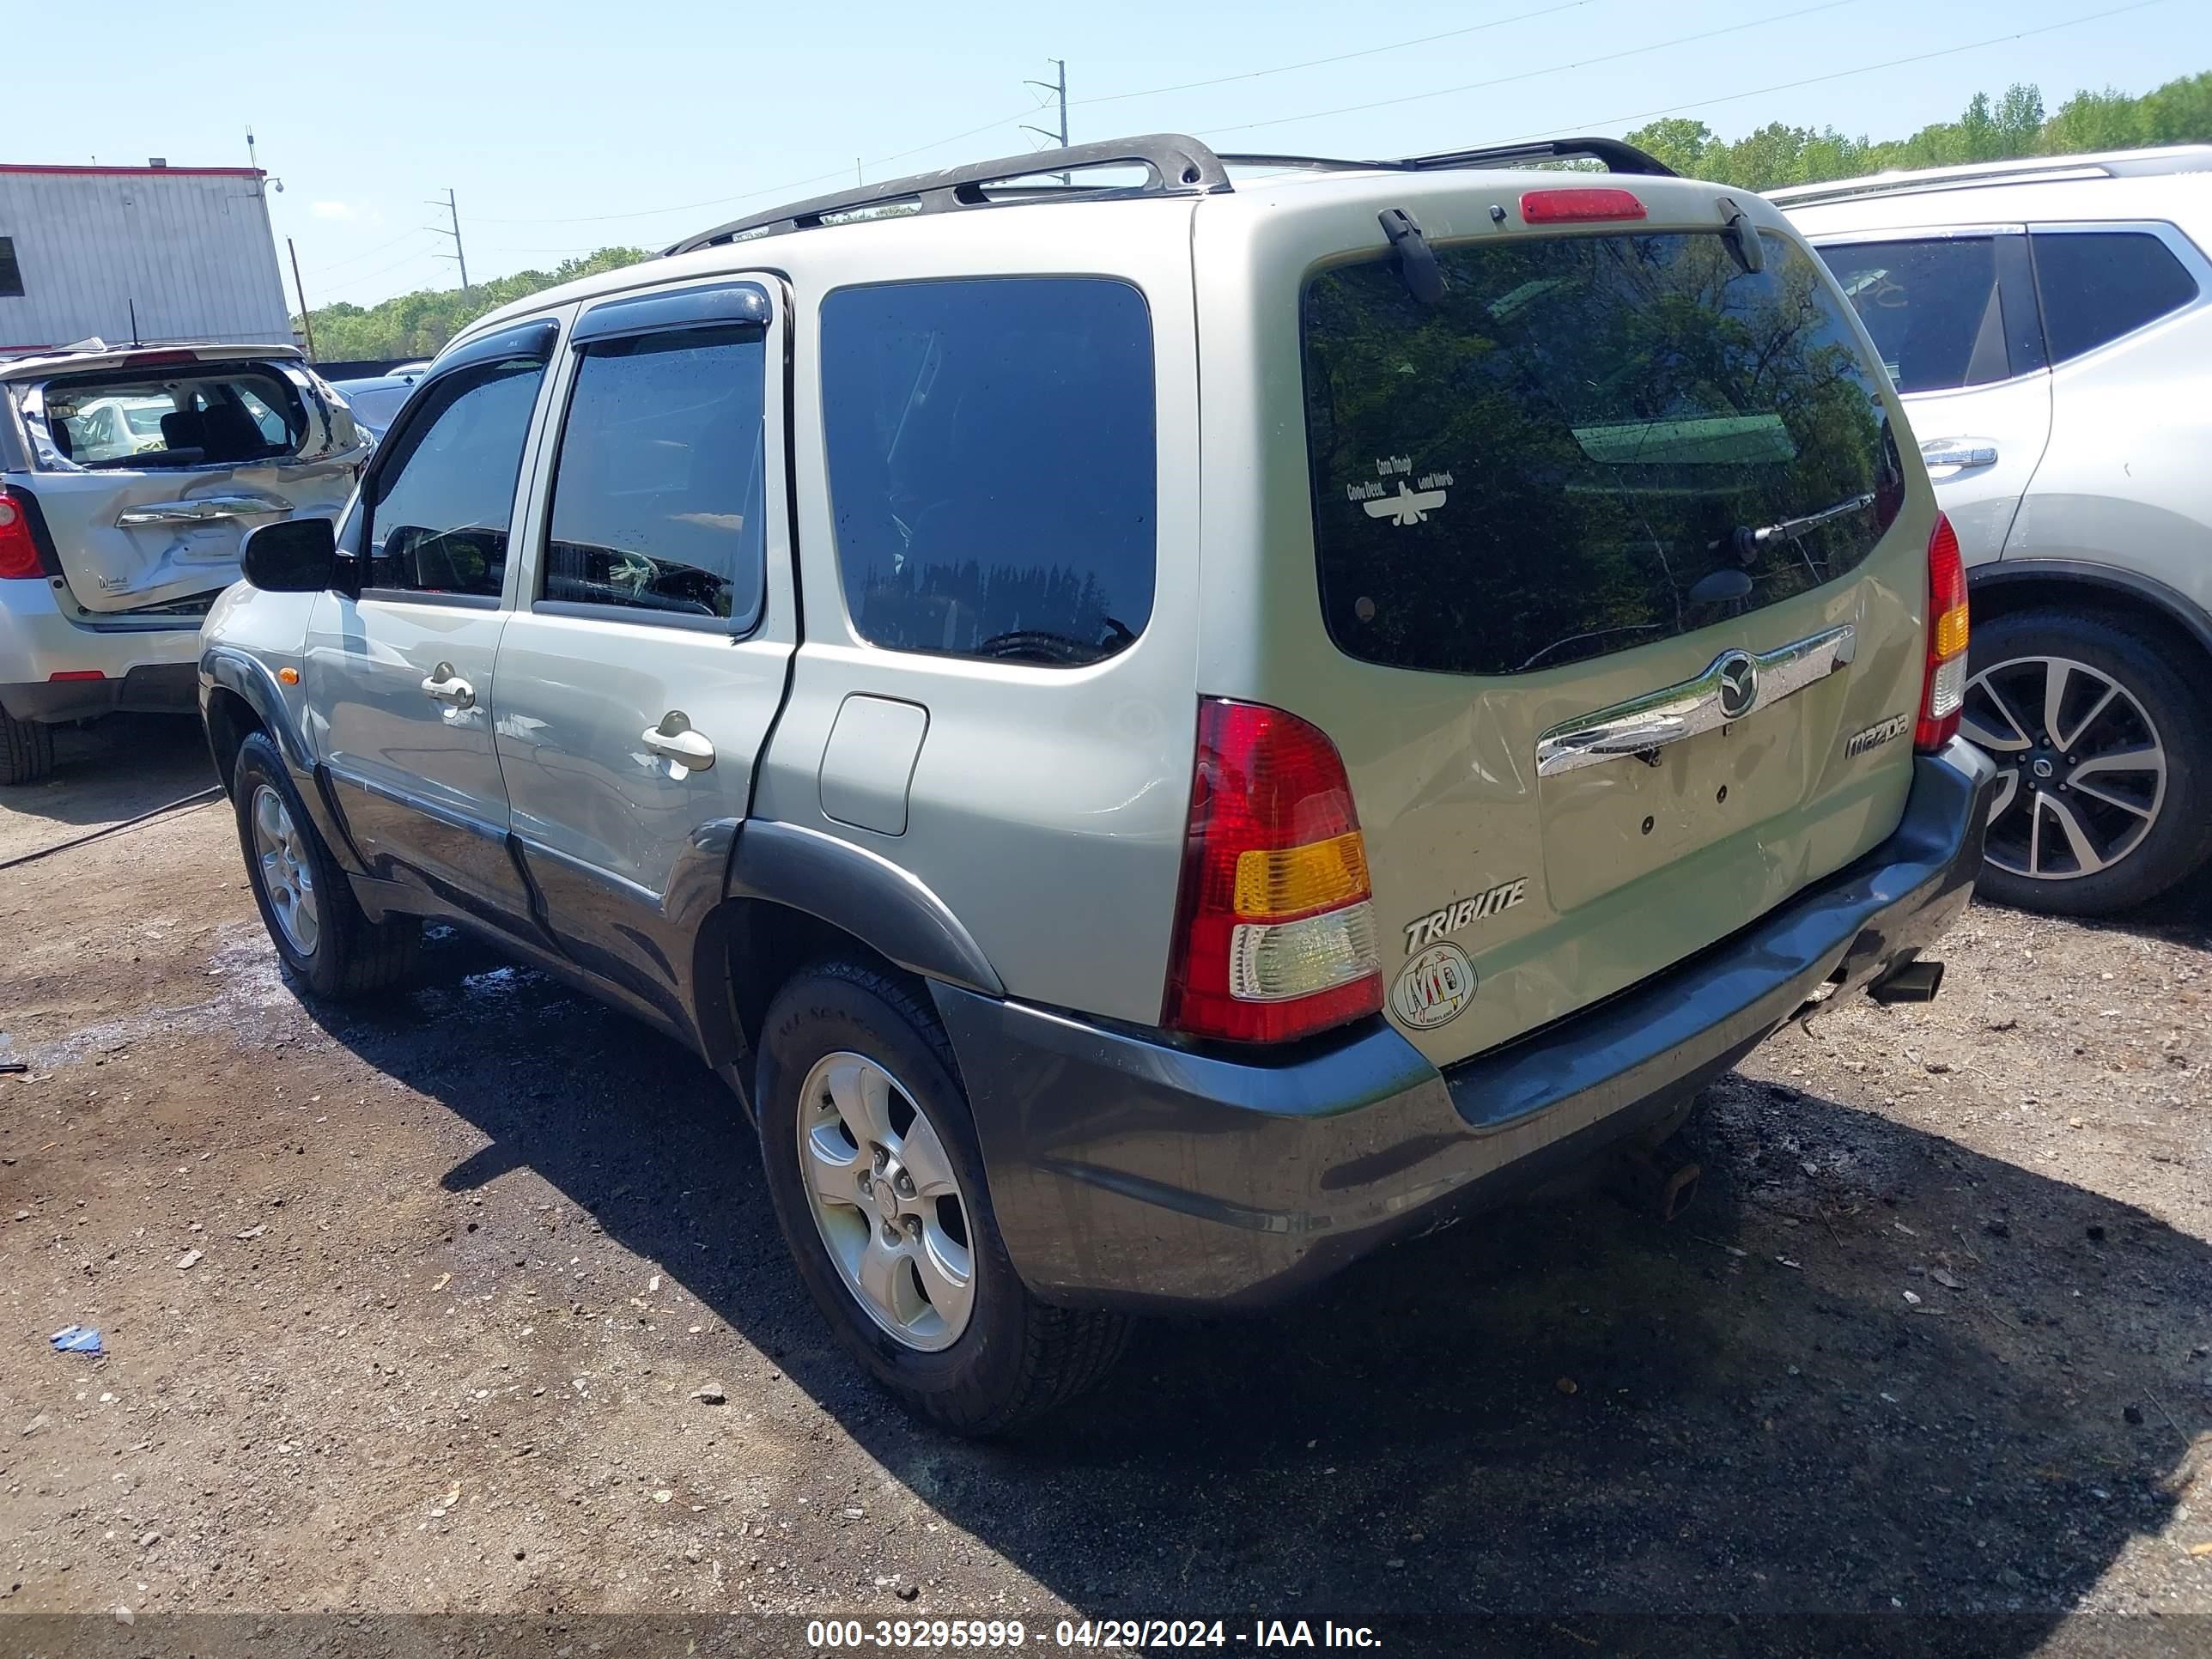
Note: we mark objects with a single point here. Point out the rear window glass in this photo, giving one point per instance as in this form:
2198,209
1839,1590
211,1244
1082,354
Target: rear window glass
1590,444
2098,285
992,465
157,419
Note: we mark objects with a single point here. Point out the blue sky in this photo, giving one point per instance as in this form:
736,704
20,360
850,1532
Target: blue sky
568,124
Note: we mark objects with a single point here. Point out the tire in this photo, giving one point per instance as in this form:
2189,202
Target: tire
2146,829
27,750
1004,1357
343,955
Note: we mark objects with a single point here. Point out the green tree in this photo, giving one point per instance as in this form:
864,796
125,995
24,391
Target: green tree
418,324
1987,129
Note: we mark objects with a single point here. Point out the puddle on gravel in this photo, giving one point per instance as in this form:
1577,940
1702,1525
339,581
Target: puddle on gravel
252,1002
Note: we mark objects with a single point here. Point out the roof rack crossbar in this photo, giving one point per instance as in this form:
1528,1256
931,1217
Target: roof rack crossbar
1176,166
1618,157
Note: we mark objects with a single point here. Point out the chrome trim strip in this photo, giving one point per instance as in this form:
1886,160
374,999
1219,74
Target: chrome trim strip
201,509
1712,700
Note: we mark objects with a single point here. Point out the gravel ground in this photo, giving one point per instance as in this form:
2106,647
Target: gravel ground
411,1310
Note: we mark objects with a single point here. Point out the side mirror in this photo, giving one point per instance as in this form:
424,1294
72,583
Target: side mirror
299,555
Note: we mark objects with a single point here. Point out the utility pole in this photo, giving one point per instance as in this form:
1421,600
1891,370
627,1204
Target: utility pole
1058,89
307,322
460,255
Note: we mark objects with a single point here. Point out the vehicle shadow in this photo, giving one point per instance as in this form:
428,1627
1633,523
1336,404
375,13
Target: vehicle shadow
1567,1412
105,771
2180,915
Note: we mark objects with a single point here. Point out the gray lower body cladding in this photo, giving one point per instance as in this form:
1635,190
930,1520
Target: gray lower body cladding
1125,1171
148,689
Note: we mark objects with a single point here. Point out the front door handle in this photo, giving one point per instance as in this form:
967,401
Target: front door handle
674,739
1961,452
447,687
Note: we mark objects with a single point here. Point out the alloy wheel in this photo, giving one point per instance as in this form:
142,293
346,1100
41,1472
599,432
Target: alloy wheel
2080,768
287,875
886,1201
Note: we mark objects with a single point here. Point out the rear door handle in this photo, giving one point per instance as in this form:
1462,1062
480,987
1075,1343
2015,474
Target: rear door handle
1961,452
447,687
674,739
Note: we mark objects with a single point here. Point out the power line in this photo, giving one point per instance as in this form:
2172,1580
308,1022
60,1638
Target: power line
1336,57
1530,75
769,189
366,254
1838,74
405,259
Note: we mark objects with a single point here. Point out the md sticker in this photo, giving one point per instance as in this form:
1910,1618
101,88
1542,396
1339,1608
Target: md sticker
1433,986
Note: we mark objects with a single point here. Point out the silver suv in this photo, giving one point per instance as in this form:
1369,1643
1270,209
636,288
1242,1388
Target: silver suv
1160,734
128,478
2049,323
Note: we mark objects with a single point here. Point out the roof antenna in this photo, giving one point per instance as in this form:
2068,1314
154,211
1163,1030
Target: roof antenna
134,322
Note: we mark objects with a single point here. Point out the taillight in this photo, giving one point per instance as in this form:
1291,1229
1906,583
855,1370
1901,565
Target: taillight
1943,692
1276,927
19,553
1558,207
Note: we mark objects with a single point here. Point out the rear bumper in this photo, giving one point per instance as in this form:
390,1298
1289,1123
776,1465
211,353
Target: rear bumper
1125,1171
148,667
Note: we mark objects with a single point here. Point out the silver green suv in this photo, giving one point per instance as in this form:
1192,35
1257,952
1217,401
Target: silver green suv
1159,734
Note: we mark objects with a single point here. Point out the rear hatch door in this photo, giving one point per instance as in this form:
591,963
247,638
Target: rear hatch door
1619,570
150,468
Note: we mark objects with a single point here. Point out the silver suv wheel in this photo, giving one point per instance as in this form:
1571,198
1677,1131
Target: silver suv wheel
886,1201
287,873
2080,767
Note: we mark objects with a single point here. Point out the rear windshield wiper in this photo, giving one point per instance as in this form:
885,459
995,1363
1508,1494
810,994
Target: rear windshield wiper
1745,540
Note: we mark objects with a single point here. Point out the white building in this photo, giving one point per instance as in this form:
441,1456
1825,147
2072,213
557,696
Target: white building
149,253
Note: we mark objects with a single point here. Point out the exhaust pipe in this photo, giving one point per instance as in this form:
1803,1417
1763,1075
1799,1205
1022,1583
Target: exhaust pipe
1655,1181
1916,981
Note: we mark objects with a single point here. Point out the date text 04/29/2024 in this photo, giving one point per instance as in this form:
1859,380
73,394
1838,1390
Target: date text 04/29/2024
1085,1633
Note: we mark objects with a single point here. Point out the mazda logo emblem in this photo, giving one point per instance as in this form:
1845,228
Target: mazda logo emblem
1739,683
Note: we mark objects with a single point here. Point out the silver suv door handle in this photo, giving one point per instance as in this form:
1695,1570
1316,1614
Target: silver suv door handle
1960,452
674,739
447,687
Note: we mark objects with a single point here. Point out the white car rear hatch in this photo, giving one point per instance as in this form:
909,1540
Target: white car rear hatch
150,464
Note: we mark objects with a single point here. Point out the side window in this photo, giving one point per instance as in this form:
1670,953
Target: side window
1939,315
274,429
443,498
2098,285
11,273
992,465
659,490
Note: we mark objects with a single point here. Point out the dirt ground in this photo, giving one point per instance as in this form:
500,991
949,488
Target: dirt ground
409,1310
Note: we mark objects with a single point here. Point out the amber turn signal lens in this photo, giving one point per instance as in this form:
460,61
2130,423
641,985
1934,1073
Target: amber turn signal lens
1294,881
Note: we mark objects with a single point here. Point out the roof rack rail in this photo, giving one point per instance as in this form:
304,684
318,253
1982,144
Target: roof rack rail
2023,170
1175,166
